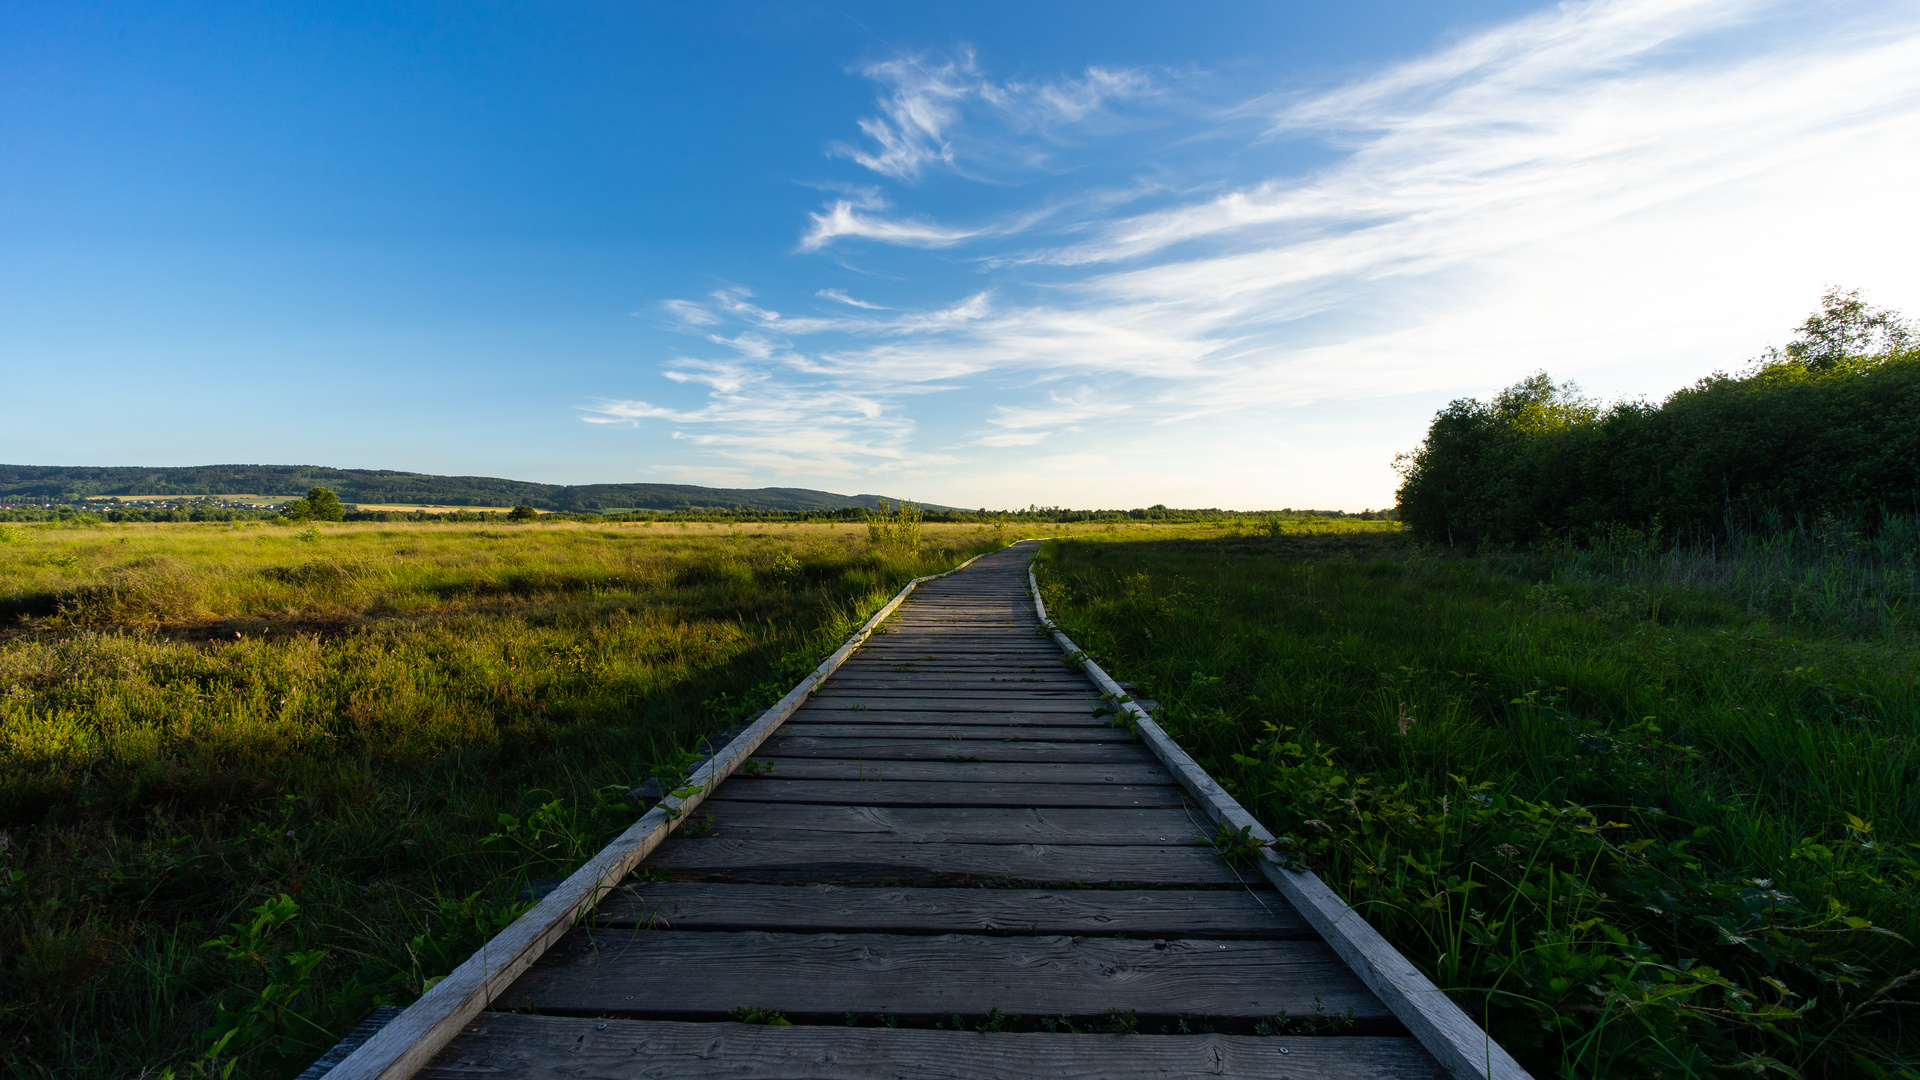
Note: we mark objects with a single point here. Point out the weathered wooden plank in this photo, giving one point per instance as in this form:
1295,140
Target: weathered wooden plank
1246,914
509,1045
857,727
964,686
976,677
728,819
856,861
922,652
935,793
957,715
1044,771
961,667
971,703
1460,1046
789,747
820,977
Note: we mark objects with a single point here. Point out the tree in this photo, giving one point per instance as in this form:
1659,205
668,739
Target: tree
319,505
522,513
1845,328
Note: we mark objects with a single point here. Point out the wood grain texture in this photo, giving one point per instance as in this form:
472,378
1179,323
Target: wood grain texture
1245,914
679,974
535,1047
937,793
945,680
854,725
1036,750
1076,704
965,772
724,818
958,714
1460,1045
866,861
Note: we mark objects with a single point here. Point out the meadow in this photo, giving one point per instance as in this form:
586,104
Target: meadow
197,720
1645,810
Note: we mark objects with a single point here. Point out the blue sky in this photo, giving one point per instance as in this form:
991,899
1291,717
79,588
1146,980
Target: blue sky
982,254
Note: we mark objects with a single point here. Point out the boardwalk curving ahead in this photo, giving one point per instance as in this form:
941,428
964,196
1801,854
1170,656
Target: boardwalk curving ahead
945,865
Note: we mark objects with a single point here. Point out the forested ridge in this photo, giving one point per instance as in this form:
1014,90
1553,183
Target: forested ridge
62,483
1828,427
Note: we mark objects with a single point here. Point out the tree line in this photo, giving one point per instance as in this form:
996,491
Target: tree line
1828,425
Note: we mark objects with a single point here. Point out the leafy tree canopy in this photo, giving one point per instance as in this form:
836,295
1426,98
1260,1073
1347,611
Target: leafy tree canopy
1829,424
318,505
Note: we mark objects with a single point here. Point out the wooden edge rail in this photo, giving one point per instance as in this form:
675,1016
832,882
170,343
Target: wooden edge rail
410,1040
1448,1033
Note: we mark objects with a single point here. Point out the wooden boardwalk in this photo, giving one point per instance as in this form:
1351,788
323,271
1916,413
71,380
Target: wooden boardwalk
947,840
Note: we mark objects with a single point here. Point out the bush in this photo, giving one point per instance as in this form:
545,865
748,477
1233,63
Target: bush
1809,432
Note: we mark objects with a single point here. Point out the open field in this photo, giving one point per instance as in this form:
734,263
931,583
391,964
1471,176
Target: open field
198,718
437,508
1644,812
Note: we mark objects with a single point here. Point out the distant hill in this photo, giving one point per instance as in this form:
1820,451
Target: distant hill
64,483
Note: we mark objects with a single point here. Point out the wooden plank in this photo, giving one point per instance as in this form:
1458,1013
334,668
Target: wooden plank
399,1049
854,861
1044,771
1461,1046
1153,913
727,819
965,688
820,977
958,667
935,793
791,747
995,676
858,700
856,727
508,1045
921,652
958,715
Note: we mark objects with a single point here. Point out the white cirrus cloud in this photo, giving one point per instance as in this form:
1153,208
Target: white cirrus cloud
925,103
1594,186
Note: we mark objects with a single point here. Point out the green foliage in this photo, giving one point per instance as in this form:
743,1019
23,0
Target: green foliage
522,512
318,505
1632,823
896,528
270,1016
768,1017
1816,429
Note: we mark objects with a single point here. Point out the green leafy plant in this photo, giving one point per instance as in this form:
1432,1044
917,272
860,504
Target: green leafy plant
269,1018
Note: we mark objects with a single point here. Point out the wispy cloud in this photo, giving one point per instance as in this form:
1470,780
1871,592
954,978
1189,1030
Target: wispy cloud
841,218
1585,179
841,296
924,104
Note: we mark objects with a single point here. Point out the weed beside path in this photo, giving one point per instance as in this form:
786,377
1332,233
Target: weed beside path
1640,829
256,780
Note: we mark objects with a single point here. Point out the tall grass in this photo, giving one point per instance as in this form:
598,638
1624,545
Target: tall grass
1631,814
1832,573
198,720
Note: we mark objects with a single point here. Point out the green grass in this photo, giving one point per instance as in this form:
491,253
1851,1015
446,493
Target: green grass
1641,822
198,719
